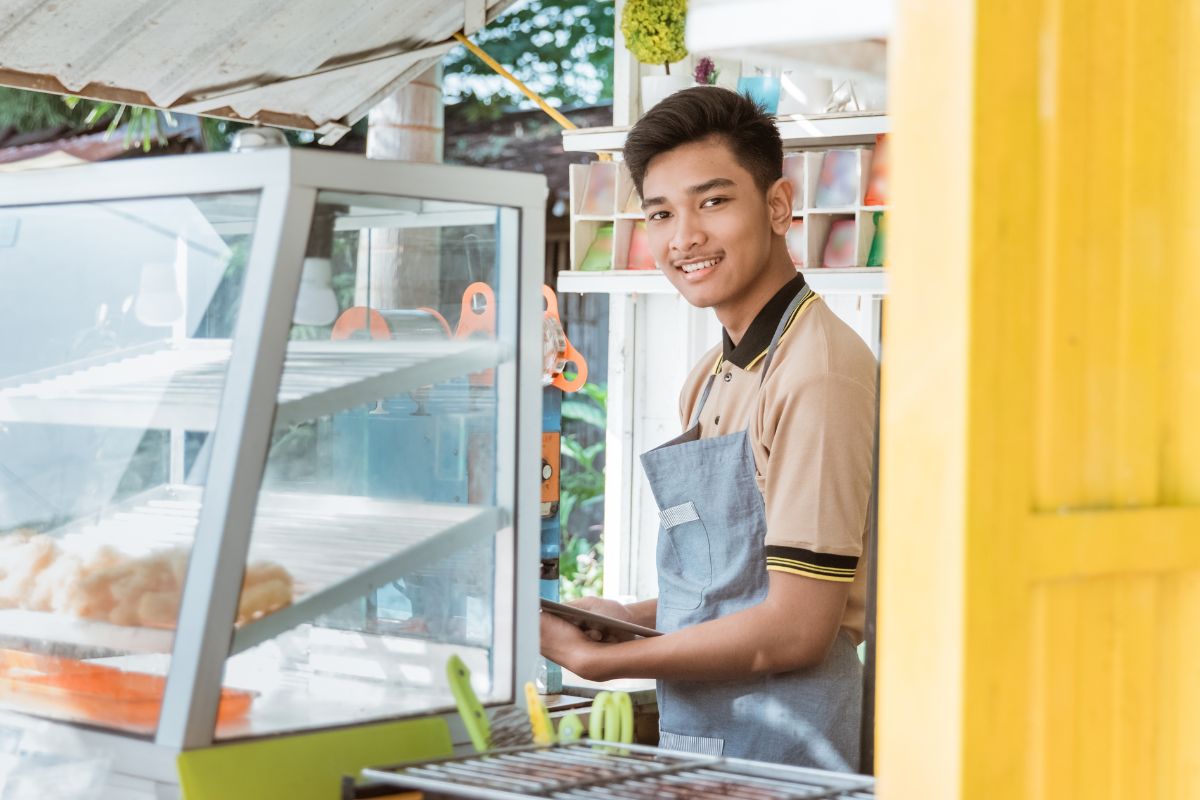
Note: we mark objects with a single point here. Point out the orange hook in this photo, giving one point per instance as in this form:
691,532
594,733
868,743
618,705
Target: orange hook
567,354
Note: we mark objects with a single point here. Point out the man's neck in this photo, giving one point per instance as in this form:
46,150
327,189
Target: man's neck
737,320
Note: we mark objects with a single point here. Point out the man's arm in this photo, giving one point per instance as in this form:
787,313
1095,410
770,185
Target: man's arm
793,628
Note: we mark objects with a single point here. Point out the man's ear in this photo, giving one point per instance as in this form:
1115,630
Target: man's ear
779,205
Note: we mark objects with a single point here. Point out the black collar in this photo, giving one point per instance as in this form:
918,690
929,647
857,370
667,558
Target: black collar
758,335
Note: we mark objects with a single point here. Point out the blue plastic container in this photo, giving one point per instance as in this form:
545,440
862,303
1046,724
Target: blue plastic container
762,89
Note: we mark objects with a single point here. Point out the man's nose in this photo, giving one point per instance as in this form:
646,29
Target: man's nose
687,235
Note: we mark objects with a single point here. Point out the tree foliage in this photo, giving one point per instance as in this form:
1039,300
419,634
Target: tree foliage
581,562
562,49
28,111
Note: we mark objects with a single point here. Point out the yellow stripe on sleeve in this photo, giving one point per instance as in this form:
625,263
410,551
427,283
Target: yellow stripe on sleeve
807,574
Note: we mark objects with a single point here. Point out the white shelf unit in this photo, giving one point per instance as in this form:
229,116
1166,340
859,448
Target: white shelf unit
178,385
868,281
590,214
336,548
819,216
796,130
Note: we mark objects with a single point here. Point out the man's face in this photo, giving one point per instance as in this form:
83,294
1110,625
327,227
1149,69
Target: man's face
707,222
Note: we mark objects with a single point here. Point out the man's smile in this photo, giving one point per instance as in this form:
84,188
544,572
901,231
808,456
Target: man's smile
697,266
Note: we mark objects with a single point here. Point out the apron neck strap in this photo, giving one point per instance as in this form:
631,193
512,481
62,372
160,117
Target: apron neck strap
703,397
786,320
792,311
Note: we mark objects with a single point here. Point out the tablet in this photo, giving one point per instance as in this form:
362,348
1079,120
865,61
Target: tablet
607,625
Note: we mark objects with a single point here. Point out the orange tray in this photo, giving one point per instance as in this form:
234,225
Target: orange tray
95,692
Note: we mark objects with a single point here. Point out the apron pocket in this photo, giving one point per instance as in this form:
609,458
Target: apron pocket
684,557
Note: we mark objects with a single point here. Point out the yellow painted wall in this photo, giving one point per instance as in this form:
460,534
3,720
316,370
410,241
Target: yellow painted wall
1039,611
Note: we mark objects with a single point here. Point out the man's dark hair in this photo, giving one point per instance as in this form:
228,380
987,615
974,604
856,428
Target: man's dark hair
702,112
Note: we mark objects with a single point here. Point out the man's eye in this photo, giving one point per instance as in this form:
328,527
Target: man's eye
657,215
712,201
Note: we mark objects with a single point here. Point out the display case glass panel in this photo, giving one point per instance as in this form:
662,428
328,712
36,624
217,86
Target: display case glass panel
116,326
382,493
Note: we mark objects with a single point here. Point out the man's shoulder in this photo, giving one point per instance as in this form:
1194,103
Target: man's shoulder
820,343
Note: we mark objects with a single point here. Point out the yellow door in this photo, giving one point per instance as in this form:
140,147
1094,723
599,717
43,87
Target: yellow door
1039,589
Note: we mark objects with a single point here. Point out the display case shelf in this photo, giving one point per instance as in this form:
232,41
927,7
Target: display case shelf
336,548
178,385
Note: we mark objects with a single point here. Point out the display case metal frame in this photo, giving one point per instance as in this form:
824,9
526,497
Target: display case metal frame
289,181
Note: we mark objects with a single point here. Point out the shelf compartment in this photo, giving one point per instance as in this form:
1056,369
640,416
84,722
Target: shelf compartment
178,385
337,548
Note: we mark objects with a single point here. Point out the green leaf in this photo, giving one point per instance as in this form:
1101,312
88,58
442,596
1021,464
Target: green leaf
581,567
598,394
583,485
566,505
98,110
584,412
571,448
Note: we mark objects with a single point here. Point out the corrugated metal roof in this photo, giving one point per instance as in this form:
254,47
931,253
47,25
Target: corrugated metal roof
310,64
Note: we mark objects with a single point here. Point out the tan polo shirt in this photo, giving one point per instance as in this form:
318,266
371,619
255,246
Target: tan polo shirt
812,430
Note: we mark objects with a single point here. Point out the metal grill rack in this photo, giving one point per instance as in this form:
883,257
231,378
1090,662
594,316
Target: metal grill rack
595,771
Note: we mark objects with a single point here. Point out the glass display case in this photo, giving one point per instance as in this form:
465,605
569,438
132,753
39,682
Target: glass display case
268,441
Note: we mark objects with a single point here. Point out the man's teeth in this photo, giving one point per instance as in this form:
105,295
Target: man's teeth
712,262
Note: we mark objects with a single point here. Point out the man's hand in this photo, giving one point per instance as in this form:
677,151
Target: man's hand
601,605
641,613
568,646
608,608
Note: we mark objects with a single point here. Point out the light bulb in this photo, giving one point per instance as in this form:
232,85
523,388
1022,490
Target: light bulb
316,304
158,301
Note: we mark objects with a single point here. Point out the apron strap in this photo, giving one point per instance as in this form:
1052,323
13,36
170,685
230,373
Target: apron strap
703,397
793,310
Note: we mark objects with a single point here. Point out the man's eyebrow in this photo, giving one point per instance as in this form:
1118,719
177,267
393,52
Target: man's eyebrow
700,188
653,201
708,186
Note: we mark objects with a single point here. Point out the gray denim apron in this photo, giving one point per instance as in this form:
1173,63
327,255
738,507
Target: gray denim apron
711,563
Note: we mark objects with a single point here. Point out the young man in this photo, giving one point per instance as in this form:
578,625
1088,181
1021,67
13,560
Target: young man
763,500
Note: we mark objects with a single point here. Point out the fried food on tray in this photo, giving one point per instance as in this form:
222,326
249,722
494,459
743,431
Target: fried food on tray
23,557
105,585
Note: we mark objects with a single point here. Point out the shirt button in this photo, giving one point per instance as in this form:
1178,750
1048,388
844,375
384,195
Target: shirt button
728,377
